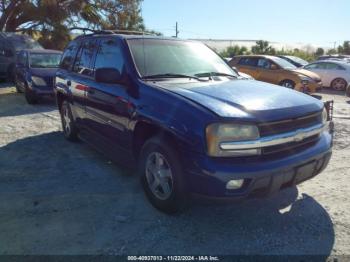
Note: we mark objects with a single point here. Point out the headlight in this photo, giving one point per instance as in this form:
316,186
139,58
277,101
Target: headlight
324,116
305,79
38,81
218,133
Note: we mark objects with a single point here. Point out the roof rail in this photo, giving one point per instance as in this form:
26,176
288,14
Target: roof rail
124,32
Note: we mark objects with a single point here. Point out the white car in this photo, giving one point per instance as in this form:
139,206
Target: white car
334,74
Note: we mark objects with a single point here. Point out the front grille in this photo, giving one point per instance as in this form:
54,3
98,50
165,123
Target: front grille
273,128
49,81
292,147
280,127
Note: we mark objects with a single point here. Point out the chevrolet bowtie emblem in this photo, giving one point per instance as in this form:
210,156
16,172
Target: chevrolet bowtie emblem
299,136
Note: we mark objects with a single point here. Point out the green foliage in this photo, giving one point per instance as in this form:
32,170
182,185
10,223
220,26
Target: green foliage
50,20
263,48
232,51
344,49
332,51
319,51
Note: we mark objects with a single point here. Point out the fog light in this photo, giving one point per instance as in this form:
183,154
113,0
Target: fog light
234,184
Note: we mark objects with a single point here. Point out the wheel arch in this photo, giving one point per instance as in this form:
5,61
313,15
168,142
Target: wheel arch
144,130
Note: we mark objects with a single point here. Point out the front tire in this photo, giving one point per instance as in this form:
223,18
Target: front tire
288,84
339,84
162,176
70,130
30,96
11,74
18,89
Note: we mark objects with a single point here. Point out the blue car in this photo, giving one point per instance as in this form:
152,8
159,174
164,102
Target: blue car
190,125
35,72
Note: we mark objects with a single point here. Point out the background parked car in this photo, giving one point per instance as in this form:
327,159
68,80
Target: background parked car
35,71
348,91
297,61
345,58
10,45
241,74
334,74
277,71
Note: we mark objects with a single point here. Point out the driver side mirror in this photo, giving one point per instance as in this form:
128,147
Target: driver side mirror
234,69
274,67
6,53
108,75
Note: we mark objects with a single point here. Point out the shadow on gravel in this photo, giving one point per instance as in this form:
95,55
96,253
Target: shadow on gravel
14,104
58,197
330,91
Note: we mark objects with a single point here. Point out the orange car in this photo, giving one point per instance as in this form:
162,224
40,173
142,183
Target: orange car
277,71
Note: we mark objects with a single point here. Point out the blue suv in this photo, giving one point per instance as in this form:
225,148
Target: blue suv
178,112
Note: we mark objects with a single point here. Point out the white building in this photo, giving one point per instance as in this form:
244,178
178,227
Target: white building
221,44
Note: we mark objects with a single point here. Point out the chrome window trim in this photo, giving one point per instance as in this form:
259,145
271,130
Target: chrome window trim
292,136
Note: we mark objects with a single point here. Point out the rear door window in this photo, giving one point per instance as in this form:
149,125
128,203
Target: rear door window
84,59
332,66
264,63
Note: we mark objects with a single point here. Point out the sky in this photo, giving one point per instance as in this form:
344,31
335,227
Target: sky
316,22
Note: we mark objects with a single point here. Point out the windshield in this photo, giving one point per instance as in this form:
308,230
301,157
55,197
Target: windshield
298,60
24,42
283,63
162,57
43,60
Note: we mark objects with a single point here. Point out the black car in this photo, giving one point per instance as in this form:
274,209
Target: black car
10,45
35,72
297,61
178,113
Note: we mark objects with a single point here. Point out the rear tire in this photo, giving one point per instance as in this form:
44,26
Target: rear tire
70,130
30,96
162,176
339,84
18,89
11,74
288,84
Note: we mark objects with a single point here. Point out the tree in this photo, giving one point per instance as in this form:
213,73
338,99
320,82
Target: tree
232,51
51,19
346,48
319,51
331,51
263,47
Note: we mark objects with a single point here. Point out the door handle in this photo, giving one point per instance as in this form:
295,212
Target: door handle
69,83
91,91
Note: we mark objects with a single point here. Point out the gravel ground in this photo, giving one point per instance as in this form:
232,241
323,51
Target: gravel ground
58,197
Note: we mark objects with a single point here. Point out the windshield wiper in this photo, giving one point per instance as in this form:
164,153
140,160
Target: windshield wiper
170,75
210,74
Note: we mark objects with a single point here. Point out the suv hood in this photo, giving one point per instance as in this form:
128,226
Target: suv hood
307,73
43,72
249,100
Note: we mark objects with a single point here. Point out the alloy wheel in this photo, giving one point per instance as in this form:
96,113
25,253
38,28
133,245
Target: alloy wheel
159,176
339,84
66,120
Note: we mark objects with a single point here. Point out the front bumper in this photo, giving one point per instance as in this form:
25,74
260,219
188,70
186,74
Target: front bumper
208,176
347,92
311,87
42,90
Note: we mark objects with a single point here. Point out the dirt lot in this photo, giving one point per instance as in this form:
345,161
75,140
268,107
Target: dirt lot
58,197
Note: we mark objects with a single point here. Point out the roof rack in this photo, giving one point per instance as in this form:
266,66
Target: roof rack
124,32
